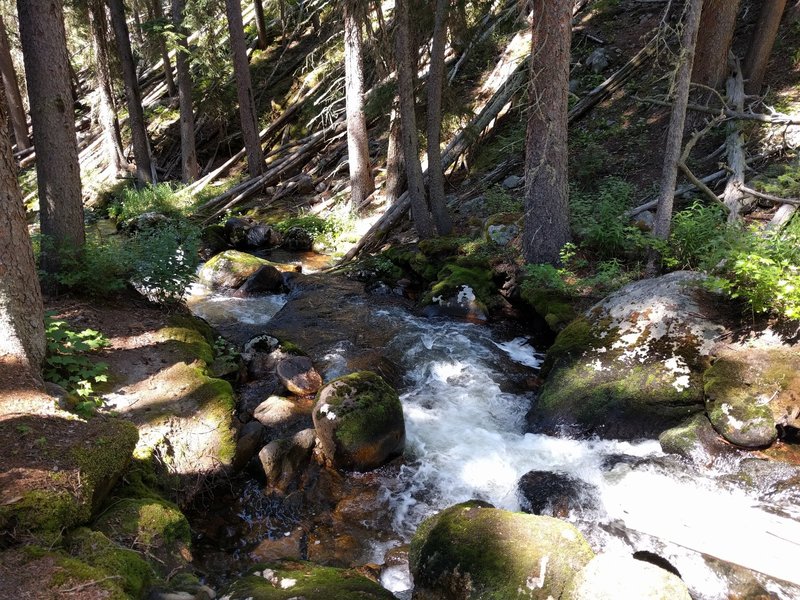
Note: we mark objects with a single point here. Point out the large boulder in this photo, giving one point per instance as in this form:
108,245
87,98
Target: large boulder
359,422
266,280
245,233
294,579
751,390
632,365
473,550
613,577
230,269
696,440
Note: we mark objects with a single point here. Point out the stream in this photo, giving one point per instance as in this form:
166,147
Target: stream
465,391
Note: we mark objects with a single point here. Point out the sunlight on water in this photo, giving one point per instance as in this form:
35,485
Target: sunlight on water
221,310
465,440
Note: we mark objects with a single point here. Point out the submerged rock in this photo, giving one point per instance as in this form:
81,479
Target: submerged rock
696,440
472,550
359,422
294,579
612,577
555,494
632,365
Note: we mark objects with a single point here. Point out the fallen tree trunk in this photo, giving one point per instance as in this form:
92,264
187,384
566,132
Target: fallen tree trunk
733,197
455,148
774,118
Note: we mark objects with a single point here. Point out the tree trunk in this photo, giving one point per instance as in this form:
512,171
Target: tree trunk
362,183
16,108
141,146
44,45
244,89
434,121
755,63
546,227
733,197
717,24
261,26
22,343
137,21
672,149
158,13
189,167
107,110
395,162
423,222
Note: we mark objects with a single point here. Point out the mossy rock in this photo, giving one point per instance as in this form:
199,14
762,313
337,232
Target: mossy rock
611,577
230,269
152,526
63,481
97,550
290,579
472,551
359,422
695,440
631,366
738,392
556,308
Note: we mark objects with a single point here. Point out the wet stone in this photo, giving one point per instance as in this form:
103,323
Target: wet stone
297,373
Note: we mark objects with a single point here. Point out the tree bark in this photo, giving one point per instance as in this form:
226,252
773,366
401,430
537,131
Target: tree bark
423,222
362,183
189,167
44,45
261,25
672,149
755,63
158,13
395,161
244,88
434,121
107,109
717,24
733,197
22,343
16,108
546,227
141,146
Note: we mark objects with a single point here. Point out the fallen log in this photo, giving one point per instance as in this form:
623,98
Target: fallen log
775,118
455,148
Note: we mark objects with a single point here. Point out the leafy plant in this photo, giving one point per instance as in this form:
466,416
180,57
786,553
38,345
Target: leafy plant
67,365
165,260
698,238
598,219
162,198
499,200
327,230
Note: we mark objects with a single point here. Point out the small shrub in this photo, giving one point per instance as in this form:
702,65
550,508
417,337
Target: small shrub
67,365
598,219
326,231
165,261
498,200
102,268
698,238
162,198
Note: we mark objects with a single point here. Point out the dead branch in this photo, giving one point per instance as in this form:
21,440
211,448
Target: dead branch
774,118
769,197
613,83
89,584
733,196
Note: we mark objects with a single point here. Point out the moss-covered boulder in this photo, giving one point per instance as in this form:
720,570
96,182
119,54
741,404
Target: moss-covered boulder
290,579
230,269
749,391
632,365
151,526
613,577
554,307
472,551
359,422
502,228
696,440
97,550
60,472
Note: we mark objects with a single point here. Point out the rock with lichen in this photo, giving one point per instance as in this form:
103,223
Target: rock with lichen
632,365
295,579
359,422
472,550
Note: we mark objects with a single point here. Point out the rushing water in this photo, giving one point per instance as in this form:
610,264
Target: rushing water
465,402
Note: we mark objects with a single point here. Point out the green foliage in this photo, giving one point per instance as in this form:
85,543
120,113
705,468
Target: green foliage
327,230
162,198
698,238
498,200
100,270
598,219
67,364
764,271
165,261
780,180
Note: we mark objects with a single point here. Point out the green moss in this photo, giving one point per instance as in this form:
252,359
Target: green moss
453,276
365,404
304,580
578,337
95,549
188,338
553,306
292,348
231,268
473,551
43,513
